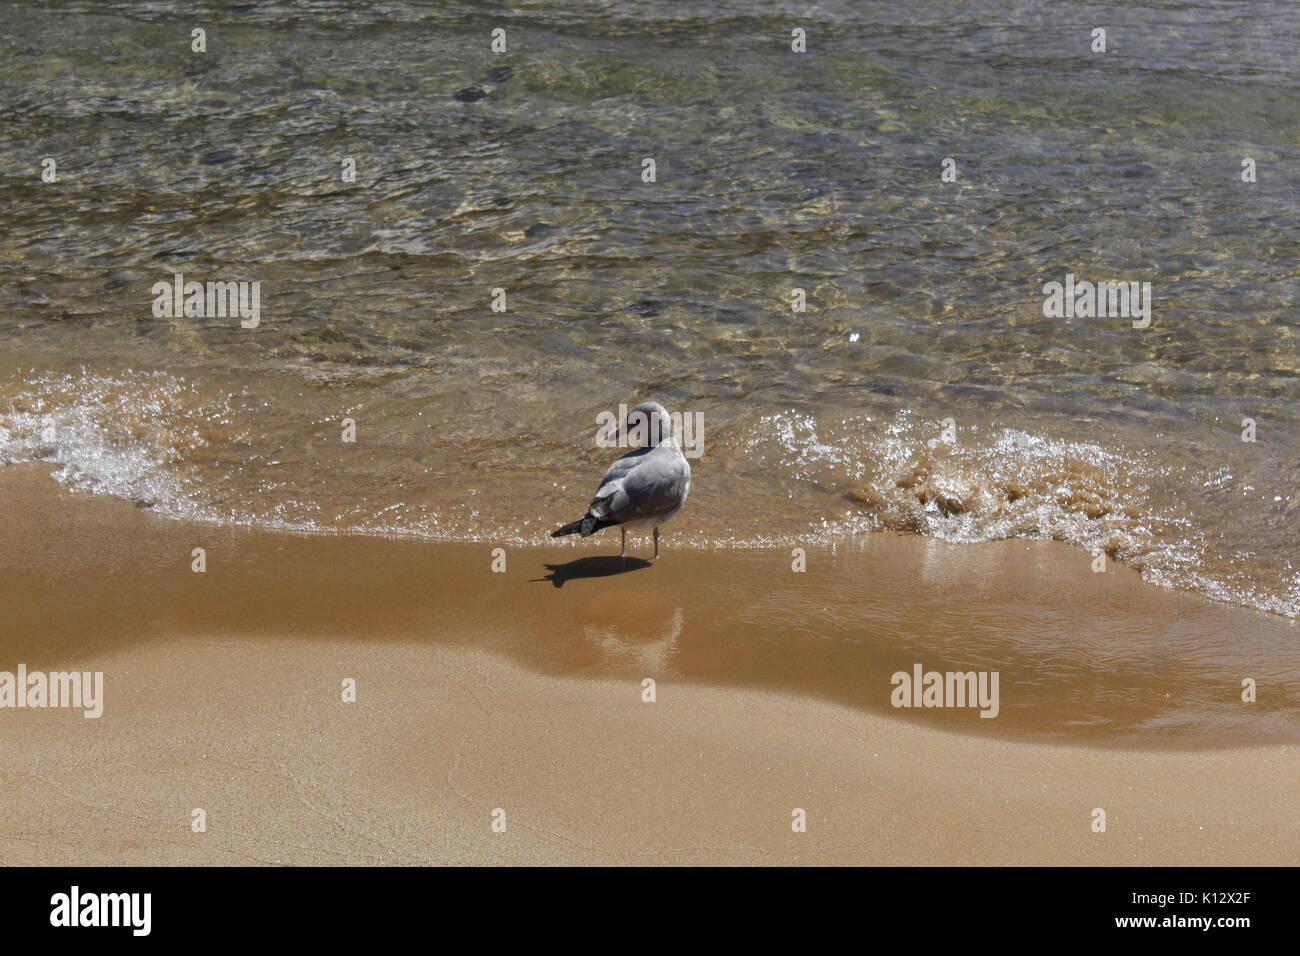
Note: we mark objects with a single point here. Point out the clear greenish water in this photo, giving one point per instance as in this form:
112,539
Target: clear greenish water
775,170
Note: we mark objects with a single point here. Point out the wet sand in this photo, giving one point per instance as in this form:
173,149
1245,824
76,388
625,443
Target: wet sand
522,691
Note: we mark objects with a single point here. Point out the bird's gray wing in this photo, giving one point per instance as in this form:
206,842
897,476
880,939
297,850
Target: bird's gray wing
613,481
620,468
653,485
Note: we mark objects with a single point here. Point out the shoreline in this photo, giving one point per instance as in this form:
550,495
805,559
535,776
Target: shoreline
479,690
1101,660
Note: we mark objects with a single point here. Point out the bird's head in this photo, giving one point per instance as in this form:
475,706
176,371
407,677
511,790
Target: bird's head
647,425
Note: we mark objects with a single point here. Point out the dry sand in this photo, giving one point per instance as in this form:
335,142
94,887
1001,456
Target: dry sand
478,691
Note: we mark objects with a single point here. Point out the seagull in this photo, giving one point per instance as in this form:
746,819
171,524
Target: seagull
645,487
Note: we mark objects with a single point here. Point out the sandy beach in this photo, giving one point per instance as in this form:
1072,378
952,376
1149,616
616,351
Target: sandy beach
953,345
479,691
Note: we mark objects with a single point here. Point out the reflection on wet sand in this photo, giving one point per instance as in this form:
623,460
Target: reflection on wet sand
1084,658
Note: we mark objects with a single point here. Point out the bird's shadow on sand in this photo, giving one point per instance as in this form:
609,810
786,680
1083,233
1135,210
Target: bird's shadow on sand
601,567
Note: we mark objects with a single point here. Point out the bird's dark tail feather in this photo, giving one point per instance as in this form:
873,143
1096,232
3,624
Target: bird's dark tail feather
573,527
586,526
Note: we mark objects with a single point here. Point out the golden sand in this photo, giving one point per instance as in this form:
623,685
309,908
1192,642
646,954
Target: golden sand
479,691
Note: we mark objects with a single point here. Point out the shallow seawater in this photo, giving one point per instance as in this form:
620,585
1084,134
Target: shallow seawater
522,171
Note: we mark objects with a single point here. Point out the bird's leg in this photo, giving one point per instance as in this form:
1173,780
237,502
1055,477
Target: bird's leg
622,548
656,541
